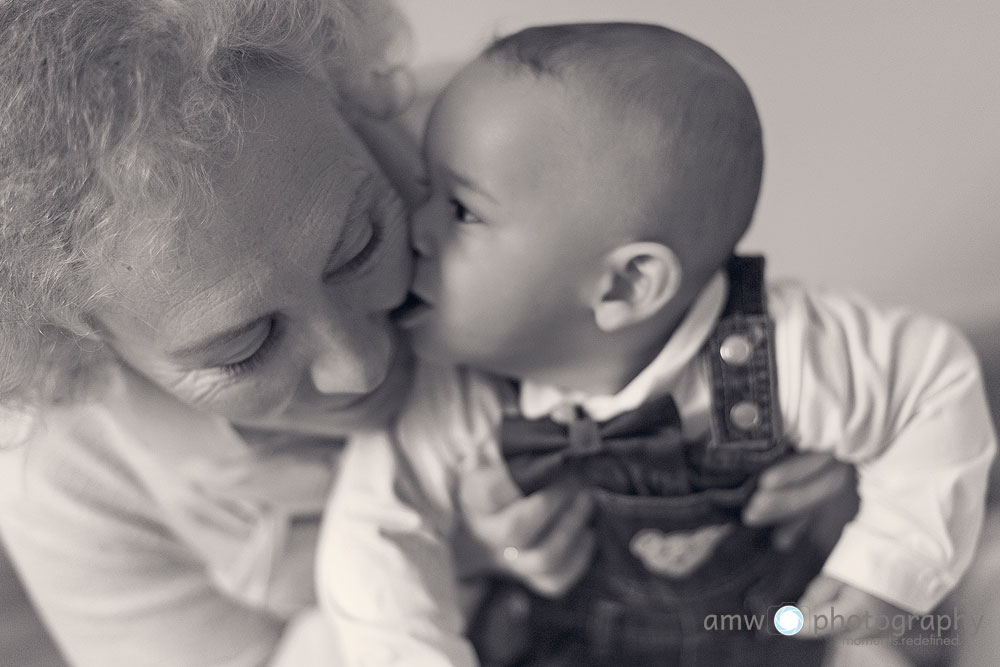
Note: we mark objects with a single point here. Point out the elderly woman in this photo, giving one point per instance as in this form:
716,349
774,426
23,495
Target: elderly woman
200,257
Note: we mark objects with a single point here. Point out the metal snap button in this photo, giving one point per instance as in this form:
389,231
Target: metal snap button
745,415
735,349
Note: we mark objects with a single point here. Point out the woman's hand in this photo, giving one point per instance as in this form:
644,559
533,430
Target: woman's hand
790,491
542,539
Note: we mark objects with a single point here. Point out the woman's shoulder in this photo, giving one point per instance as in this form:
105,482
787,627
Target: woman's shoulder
70,482
101,450
72,449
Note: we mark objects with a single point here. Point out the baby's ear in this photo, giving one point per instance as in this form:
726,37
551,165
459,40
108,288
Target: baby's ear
636,281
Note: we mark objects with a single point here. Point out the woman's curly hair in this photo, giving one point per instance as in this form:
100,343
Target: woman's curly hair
109,112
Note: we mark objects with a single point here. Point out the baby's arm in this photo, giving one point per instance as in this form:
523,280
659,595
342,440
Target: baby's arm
385,572
899,395
415,510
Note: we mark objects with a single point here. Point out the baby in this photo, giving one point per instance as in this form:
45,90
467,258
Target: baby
586,188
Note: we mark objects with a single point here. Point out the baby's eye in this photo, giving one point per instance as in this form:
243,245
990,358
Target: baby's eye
463,214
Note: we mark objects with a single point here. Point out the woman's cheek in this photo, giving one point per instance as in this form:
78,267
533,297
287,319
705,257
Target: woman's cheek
385,285
251,397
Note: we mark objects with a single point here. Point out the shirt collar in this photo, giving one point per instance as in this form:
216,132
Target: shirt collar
538,400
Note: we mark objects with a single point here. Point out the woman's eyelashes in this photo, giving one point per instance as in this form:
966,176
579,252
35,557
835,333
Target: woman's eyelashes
256,358
365,245
367,250
366,240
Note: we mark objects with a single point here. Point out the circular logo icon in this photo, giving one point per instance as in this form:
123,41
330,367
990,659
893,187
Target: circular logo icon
788,620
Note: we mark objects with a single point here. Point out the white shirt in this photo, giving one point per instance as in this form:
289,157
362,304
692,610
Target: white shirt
896,393
149,534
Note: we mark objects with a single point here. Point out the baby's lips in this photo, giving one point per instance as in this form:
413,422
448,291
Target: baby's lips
407,311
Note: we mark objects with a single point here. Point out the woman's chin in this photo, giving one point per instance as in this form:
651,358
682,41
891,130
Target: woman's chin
339,415
384,402
376,408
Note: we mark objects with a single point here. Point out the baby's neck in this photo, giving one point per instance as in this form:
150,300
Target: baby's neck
614,363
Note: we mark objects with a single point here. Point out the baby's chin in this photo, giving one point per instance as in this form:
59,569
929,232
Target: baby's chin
429,353
438,345
430,348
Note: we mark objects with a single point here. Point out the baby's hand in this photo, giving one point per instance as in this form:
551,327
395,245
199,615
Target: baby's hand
542,539
790,493
832,603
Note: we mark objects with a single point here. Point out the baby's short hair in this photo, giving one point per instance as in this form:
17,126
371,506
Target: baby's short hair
708,134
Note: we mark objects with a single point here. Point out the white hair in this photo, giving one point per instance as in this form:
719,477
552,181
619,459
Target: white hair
109,112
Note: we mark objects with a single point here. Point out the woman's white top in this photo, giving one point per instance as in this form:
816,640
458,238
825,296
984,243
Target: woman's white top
149,534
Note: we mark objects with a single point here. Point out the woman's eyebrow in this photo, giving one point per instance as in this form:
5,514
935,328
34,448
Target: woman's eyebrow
217,340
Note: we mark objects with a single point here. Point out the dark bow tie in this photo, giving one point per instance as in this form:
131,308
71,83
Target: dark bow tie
638,452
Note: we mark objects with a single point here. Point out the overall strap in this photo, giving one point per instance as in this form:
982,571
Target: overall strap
745,417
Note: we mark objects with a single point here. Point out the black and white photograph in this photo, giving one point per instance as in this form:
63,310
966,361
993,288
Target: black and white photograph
499,333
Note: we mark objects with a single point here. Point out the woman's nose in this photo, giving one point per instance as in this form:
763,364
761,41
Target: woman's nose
348,359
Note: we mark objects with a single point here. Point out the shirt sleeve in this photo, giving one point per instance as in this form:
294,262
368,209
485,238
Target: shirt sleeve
113,585
900,395
387,576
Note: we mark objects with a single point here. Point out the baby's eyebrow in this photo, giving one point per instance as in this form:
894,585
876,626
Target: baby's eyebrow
469,184
217,340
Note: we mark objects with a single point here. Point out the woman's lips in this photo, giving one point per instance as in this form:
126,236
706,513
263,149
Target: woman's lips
408,314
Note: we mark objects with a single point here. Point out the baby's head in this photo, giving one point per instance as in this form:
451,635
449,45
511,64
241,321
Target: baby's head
584,182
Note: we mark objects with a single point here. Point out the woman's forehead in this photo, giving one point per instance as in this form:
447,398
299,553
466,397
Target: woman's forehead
212,274
278,205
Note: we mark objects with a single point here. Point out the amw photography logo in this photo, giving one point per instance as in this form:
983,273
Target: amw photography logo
785,620
936,629
788,620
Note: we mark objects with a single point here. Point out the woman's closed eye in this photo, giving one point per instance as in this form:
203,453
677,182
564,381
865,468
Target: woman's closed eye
462,214
365,242
257,356
364,254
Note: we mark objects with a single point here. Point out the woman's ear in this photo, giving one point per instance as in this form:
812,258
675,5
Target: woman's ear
637,281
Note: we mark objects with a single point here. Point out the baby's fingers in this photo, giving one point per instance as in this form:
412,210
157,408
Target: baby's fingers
560,556
486,490
794,470
542,539
789,496
527,522
501,517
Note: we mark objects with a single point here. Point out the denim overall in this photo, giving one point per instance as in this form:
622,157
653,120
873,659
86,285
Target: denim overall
672,554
